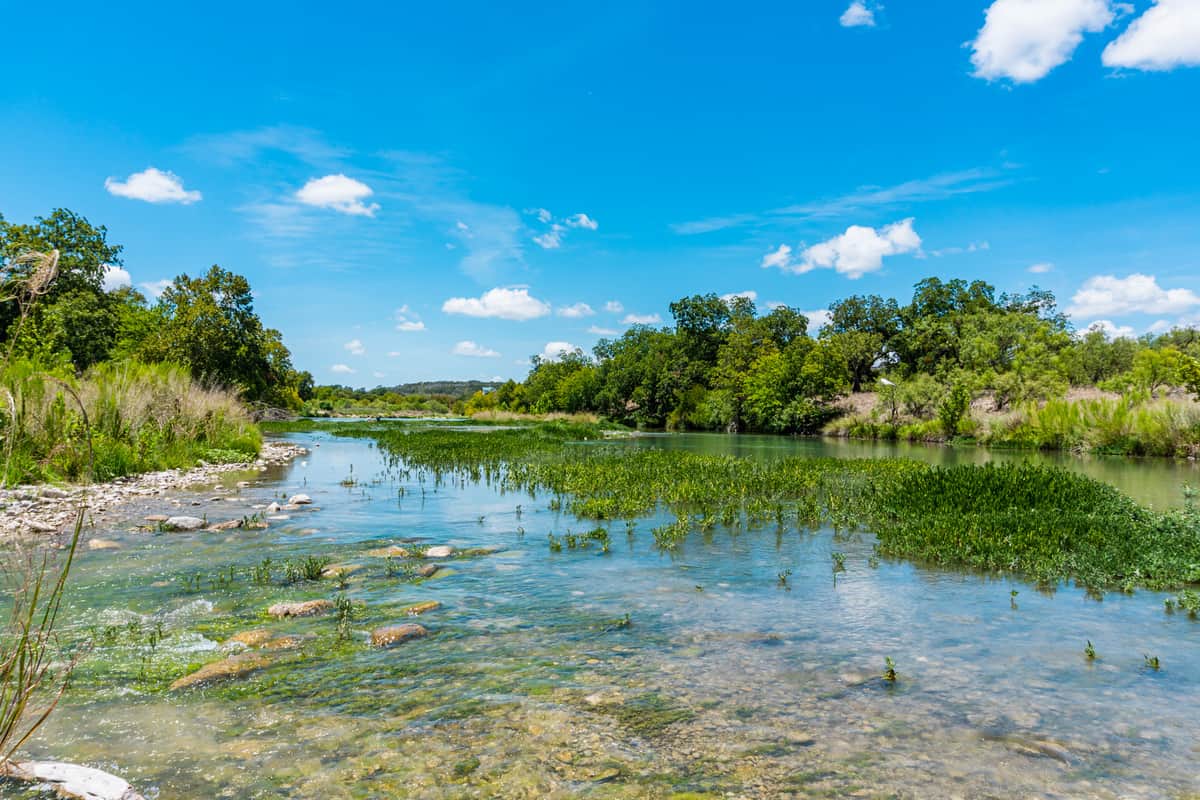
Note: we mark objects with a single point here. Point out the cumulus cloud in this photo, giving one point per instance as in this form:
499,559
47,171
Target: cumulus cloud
1111,330
1110,296
817,318
115,278
1165,37
854,253
407,321
1023,40
153,186
500,303
614,307
556,229
582,221
342,369
355,347
553,351
473,350
1041,268
750,295
858,15
576,311
641,319
339,193
596,330
154,289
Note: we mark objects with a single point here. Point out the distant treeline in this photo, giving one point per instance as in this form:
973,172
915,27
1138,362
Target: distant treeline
724,366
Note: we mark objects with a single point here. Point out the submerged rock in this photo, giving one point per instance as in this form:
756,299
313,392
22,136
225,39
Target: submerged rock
103,544
253,638
156,518
388,552
183,523
396,634
306,608
233,667
428,570
72,780
340,570
420,608
227,525
299,500
439,551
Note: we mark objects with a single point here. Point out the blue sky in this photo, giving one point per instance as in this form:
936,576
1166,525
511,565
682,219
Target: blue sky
442,190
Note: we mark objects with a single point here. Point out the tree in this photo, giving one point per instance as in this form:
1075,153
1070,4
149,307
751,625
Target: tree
701,322
859,351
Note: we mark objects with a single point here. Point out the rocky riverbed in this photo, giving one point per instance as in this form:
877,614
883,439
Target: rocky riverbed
49,510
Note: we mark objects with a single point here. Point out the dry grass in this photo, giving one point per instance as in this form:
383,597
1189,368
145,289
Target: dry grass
513,416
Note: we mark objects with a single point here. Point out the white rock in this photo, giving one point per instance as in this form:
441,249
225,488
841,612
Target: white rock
183,523
299,500
273,508
72,780
439,551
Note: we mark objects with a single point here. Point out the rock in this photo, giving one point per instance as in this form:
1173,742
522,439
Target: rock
417,609
103,544
285,643
72,780
54,493
307,608
439,551
340,570
233,667
428,570
227,525
272,509
156,518
256,637
37,526
388,552
183,523
243,484
299,500
397,634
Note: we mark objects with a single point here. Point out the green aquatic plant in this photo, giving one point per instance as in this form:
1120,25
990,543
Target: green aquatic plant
1012,598
555,543
1089,651
260,573
309,568
783,578
839,561
889,669
1189,600
1151,662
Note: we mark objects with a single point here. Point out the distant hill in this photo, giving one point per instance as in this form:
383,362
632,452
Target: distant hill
452,388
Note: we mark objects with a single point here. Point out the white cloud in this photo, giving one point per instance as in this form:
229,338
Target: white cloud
342,369
582,221
395,354
355,347
780,257
115,278
408,321
641,319
378,374
469,348
973,247
153,186
338,193
515,304
750,295
854,253
614,307
817,318
596,330
858,16
1108,295
1041,268
1165,37
553,351
1111,330
576,311
1023,40
551,239
1159,326
155,289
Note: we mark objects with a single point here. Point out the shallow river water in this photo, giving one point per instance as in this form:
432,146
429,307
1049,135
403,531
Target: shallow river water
533,682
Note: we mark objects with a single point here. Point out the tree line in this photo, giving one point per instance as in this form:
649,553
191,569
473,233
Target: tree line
205,323
724,366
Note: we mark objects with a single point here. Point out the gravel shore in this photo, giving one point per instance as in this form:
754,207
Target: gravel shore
48,510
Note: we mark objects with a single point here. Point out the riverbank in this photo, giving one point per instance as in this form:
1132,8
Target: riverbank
49,509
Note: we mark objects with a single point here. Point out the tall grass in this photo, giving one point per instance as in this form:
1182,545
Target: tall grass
1106,425
124,417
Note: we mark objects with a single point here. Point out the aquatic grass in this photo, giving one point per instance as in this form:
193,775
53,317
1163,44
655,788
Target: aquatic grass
1041,522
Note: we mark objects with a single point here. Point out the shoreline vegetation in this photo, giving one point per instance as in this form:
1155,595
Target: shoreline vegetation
1042,523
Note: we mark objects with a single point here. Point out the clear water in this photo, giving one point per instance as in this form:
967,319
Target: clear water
725,684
